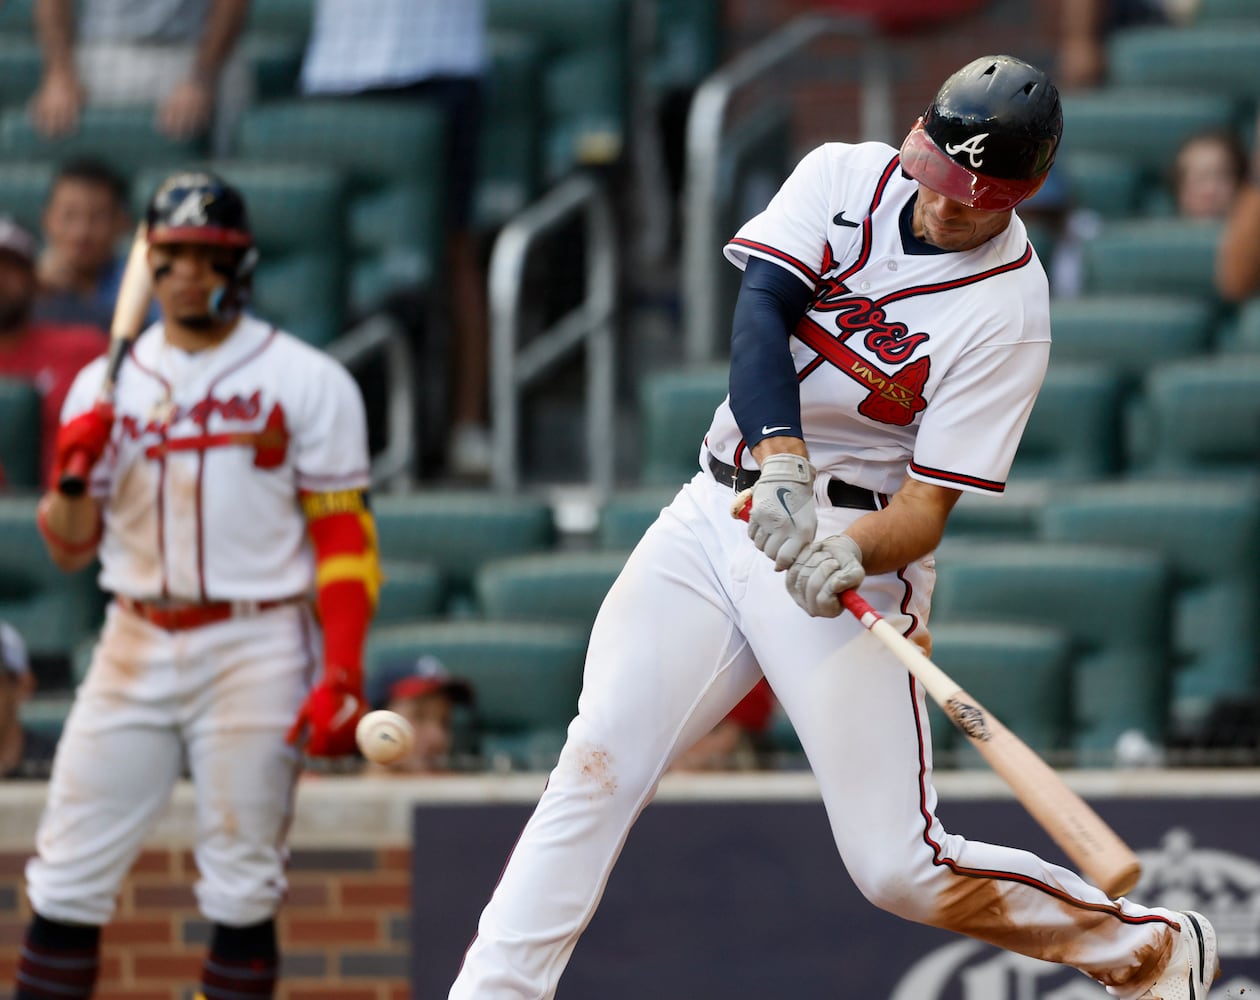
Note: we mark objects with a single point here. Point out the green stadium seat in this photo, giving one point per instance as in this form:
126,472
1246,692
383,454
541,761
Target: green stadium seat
412,591
1209,534
46,714
1074,431
458,531
1169,256
585,86
1129,332
1244,333
392,154
687,43
676,409
1202,416
15,16
21,67
629,513
526,678
275,62
20,435
1020,673
123,137
1106,183
1113,602
1217,11
551,586
510,157
24,188
1142,125
1213,59
291,18
1014,514
53,610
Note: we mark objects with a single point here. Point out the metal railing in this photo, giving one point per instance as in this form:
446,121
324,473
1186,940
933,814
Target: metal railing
515,366
380,335
706,129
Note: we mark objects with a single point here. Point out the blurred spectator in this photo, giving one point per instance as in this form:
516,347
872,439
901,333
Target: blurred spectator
178,55
1086,26
731,745
1238,255
1207,174
49,355
85,216
24,753
433,51
426,695
1059,230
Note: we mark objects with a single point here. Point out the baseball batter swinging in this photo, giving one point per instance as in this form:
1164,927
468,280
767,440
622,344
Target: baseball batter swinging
228,488
890,336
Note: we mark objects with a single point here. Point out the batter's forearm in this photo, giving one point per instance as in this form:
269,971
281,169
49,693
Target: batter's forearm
766,447
71,529
907,529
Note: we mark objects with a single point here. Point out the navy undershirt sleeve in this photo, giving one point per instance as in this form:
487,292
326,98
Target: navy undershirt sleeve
765,397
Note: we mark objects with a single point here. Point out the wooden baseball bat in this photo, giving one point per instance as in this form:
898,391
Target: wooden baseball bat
1093,846
135,291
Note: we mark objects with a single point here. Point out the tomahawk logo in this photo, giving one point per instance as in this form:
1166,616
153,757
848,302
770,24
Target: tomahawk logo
973,147
1177,874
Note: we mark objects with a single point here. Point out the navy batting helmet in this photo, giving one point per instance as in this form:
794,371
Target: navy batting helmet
989,137
198,207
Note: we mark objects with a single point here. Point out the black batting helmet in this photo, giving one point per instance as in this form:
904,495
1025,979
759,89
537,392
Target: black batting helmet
198,207
989,137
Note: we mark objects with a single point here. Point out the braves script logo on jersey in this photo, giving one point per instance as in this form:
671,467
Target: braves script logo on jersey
973,147
270,442
894,398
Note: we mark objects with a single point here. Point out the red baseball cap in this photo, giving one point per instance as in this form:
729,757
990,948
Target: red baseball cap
414,679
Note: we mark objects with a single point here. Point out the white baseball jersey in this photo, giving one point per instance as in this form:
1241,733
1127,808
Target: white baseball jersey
207,455
919,364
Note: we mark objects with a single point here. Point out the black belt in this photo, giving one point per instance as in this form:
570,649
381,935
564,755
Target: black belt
841,494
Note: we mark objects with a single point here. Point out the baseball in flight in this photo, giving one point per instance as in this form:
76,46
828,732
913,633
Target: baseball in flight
383,736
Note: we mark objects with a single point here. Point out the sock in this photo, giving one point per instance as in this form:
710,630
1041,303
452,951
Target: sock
58,961
242,962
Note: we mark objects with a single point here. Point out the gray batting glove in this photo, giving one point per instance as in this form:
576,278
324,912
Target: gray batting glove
783,518
823,571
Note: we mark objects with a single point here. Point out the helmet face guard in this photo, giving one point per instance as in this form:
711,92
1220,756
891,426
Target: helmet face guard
925,161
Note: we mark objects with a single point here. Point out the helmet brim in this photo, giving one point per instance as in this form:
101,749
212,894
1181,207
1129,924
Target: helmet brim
925,161
209,235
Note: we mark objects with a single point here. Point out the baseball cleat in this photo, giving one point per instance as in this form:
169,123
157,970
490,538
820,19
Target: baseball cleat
1194,966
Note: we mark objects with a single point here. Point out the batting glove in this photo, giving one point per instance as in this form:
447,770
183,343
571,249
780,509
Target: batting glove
824,570
782,517
85,435
329,714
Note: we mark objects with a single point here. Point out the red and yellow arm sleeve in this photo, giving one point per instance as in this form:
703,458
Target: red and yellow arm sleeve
347,571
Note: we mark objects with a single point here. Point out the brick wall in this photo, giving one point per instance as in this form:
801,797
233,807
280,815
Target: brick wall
343,930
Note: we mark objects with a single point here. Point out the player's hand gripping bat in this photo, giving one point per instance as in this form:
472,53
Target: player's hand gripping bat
1081,833
132,305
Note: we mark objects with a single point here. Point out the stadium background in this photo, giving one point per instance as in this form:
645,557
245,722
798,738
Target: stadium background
1107,608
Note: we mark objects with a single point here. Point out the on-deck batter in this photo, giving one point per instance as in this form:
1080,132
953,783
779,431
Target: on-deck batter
890,337
228,488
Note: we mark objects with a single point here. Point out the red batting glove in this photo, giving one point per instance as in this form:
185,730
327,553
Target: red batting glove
330,713
85,435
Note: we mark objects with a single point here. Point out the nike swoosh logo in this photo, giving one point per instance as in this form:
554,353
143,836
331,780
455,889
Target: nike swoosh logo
839,220
781,492
347,712
779,427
